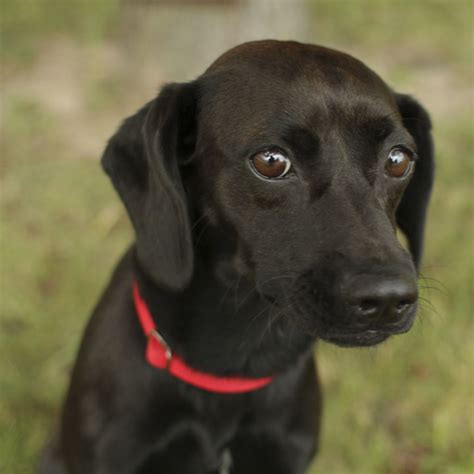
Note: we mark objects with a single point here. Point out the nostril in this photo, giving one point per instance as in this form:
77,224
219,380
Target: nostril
404,304
368,306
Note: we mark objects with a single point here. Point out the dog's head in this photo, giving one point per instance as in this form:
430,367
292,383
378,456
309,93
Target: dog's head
288,166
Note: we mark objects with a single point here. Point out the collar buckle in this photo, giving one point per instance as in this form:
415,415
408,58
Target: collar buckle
158,337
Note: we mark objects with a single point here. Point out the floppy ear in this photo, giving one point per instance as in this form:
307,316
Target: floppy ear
143,161
411,212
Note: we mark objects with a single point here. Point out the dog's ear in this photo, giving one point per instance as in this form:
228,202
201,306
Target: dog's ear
143,161
411,212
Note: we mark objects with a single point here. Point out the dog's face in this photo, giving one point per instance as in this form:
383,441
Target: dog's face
296,161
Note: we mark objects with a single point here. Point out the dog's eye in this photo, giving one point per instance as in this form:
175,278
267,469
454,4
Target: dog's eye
271,164
399,162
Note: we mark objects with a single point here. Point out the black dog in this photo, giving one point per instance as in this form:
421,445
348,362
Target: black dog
265,197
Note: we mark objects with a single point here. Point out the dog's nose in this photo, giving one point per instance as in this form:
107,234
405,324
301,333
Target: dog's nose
383,300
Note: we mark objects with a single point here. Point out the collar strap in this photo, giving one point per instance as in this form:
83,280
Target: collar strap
159,355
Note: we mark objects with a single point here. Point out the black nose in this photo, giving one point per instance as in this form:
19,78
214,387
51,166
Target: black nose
378,299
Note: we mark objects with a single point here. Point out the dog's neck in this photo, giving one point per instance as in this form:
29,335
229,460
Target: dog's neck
224,330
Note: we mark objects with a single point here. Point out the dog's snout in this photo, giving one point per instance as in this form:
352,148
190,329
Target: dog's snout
381,300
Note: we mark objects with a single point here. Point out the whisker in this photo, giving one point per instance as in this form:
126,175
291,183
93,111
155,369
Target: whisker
254,290
425,305
436,283
252,321
226,293
198,221
200,235
241,302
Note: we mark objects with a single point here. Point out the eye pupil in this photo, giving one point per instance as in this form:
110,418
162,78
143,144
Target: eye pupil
271,164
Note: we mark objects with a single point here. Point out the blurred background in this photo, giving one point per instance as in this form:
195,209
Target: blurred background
73,69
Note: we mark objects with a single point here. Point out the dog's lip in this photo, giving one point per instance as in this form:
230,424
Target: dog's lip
368,336
401,326
356,339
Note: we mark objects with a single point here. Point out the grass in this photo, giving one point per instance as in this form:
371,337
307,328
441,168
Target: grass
25,23
402,408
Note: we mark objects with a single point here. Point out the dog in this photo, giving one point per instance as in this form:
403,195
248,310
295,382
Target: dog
265,197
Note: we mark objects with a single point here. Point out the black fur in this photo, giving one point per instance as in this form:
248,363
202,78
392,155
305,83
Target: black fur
242,274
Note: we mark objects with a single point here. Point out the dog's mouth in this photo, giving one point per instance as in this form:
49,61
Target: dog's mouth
366,337
339,325
362,339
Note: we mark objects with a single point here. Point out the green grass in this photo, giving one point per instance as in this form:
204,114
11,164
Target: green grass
402,408
433,29
25,23
62,227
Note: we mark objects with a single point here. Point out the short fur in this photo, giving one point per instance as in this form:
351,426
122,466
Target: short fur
243,274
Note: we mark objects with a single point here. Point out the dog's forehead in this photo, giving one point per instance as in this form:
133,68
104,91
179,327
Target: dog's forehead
291,62
265,85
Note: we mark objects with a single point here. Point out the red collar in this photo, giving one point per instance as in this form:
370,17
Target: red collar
159,355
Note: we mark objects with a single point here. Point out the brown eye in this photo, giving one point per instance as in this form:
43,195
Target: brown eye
272,164
399,163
